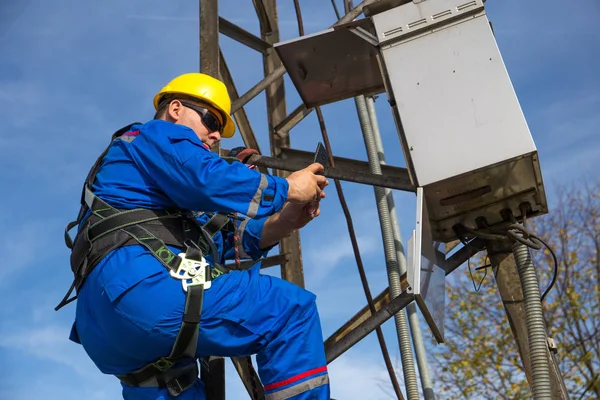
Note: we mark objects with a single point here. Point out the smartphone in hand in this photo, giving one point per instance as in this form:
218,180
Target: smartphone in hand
321,155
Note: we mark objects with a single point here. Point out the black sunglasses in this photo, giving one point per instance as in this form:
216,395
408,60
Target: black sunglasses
209,119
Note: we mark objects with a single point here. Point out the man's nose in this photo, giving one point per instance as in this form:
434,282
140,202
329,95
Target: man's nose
216,136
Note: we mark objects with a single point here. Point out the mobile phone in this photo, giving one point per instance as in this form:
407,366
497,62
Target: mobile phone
321,155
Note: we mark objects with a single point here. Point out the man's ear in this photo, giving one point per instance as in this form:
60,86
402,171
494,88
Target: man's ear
175,110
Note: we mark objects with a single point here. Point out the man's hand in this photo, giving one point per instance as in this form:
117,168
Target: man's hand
292,216
295,215
304,196
305,186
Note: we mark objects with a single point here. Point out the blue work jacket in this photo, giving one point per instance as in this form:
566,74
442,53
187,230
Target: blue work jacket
161,165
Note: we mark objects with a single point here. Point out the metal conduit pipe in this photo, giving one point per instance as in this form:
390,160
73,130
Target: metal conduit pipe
536,326
411,309
408,365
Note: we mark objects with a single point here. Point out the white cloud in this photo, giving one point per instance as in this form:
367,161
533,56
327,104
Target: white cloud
357,378
50,343
45,353
324,257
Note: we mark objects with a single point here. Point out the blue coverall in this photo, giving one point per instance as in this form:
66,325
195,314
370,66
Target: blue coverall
129,310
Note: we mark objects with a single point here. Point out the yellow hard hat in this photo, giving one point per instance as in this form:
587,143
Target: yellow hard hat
205,88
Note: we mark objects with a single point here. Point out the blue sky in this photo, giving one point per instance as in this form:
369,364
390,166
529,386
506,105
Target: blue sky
73,72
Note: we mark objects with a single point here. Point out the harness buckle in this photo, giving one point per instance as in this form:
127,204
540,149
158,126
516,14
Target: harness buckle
162,364
192,272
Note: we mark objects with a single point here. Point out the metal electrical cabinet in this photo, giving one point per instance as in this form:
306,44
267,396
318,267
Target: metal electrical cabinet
466,141
464,136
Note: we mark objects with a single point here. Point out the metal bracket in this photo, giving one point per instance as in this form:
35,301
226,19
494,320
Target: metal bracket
552,346
192,272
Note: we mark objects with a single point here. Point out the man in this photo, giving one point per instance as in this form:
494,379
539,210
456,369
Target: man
138,303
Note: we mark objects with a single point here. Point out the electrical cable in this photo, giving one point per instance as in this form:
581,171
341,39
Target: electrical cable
555,274
335,9
513,231
478,287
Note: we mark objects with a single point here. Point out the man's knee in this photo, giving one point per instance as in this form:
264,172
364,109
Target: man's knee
300,301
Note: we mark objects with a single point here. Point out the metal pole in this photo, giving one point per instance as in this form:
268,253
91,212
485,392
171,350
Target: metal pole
408,367
209,38
536,325
509,287
209,43
411,309
213,377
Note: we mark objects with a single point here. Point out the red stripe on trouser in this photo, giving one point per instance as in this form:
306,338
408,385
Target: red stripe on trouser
295,378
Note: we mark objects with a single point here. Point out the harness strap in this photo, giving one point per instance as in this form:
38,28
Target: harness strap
125,220
128,221
89,181
176,380
216,223
184,348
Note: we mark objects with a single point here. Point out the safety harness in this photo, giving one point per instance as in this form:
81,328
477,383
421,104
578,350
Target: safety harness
103,228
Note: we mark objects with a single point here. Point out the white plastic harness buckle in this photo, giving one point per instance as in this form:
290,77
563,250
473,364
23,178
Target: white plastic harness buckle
192,272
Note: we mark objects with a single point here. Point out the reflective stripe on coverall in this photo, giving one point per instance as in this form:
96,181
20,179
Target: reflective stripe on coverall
129,310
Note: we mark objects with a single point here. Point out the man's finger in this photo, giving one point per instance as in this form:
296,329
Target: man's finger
312,207
322,181
315,168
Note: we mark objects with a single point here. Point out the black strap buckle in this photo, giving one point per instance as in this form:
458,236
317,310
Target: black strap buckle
181,383
163,364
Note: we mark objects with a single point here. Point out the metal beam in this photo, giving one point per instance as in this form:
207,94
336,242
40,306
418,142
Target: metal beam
293,160
209,43
379,302
337,348
293,119
248,375
214,378
238,34
264,263
336,173
278,72
348,164
463,254
209,37
265,19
